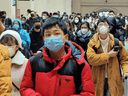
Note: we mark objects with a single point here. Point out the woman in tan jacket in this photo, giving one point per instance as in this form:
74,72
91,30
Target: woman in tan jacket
104,60
12,40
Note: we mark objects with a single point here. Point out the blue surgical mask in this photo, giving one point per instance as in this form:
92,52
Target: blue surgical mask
44,17
16,27
55,16
54,43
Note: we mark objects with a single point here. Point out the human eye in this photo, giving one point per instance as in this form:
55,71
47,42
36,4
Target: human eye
57,33
47,35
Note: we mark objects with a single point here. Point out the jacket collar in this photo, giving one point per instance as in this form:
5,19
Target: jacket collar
18,58
97,42
73,50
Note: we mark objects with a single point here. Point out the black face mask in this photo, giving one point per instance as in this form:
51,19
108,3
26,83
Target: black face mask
4,17
37,27
32,15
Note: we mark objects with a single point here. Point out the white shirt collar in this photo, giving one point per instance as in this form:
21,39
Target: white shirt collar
104,42
18,58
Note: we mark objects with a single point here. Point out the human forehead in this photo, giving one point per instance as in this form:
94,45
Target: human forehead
23,19
16,22
111,13
54,28
103,23
76,18
84,25
37,23
44,14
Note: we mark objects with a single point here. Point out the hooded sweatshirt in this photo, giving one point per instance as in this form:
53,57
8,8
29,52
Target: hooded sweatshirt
24,35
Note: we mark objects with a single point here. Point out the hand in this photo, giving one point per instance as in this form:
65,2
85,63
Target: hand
113,53
125,75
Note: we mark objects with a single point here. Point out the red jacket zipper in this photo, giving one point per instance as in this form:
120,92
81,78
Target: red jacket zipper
59,87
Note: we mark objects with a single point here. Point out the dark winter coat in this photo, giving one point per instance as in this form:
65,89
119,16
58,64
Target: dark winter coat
36,40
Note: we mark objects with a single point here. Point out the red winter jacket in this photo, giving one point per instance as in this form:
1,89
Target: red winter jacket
70,77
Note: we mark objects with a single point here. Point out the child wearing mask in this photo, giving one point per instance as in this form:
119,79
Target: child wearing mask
60,69
11,39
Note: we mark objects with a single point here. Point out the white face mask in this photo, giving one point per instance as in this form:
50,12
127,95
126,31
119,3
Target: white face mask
11,50
76,21
103,30
84,31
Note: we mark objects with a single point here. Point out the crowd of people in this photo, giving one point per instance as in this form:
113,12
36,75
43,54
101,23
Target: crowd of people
63,55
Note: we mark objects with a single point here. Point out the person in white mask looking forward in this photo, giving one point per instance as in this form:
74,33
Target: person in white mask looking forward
105,61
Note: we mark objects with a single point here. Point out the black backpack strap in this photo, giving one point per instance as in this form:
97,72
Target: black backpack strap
15,86
34,64
116,41
117,44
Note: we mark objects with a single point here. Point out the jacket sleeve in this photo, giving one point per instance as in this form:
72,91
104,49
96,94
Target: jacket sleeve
123,58
87,82
5,72
2,28
95,59
27,85
28,39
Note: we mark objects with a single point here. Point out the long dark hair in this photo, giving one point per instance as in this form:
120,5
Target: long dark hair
77,24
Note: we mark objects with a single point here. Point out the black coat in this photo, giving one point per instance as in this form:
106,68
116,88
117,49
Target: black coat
8,22
71,36
36,40
30,22
115,31
26,27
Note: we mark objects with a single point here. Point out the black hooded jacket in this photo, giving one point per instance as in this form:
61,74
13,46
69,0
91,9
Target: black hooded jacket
116,32
8,22
36,40
26,27
30,22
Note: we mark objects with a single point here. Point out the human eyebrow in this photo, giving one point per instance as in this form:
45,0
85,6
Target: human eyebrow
55,30
47,31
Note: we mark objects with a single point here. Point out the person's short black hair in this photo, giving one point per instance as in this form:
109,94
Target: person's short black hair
55,13
35,20
90,14
52,21
86,14
4,12
29,10
23,17
120,14
111,11
86,23
102,20
78,14
64,13
45,12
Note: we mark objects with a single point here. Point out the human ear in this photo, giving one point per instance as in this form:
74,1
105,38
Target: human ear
65,38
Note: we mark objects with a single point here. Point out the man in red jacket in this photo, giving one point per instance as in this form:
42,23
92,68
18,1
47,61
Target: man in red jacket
60,69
